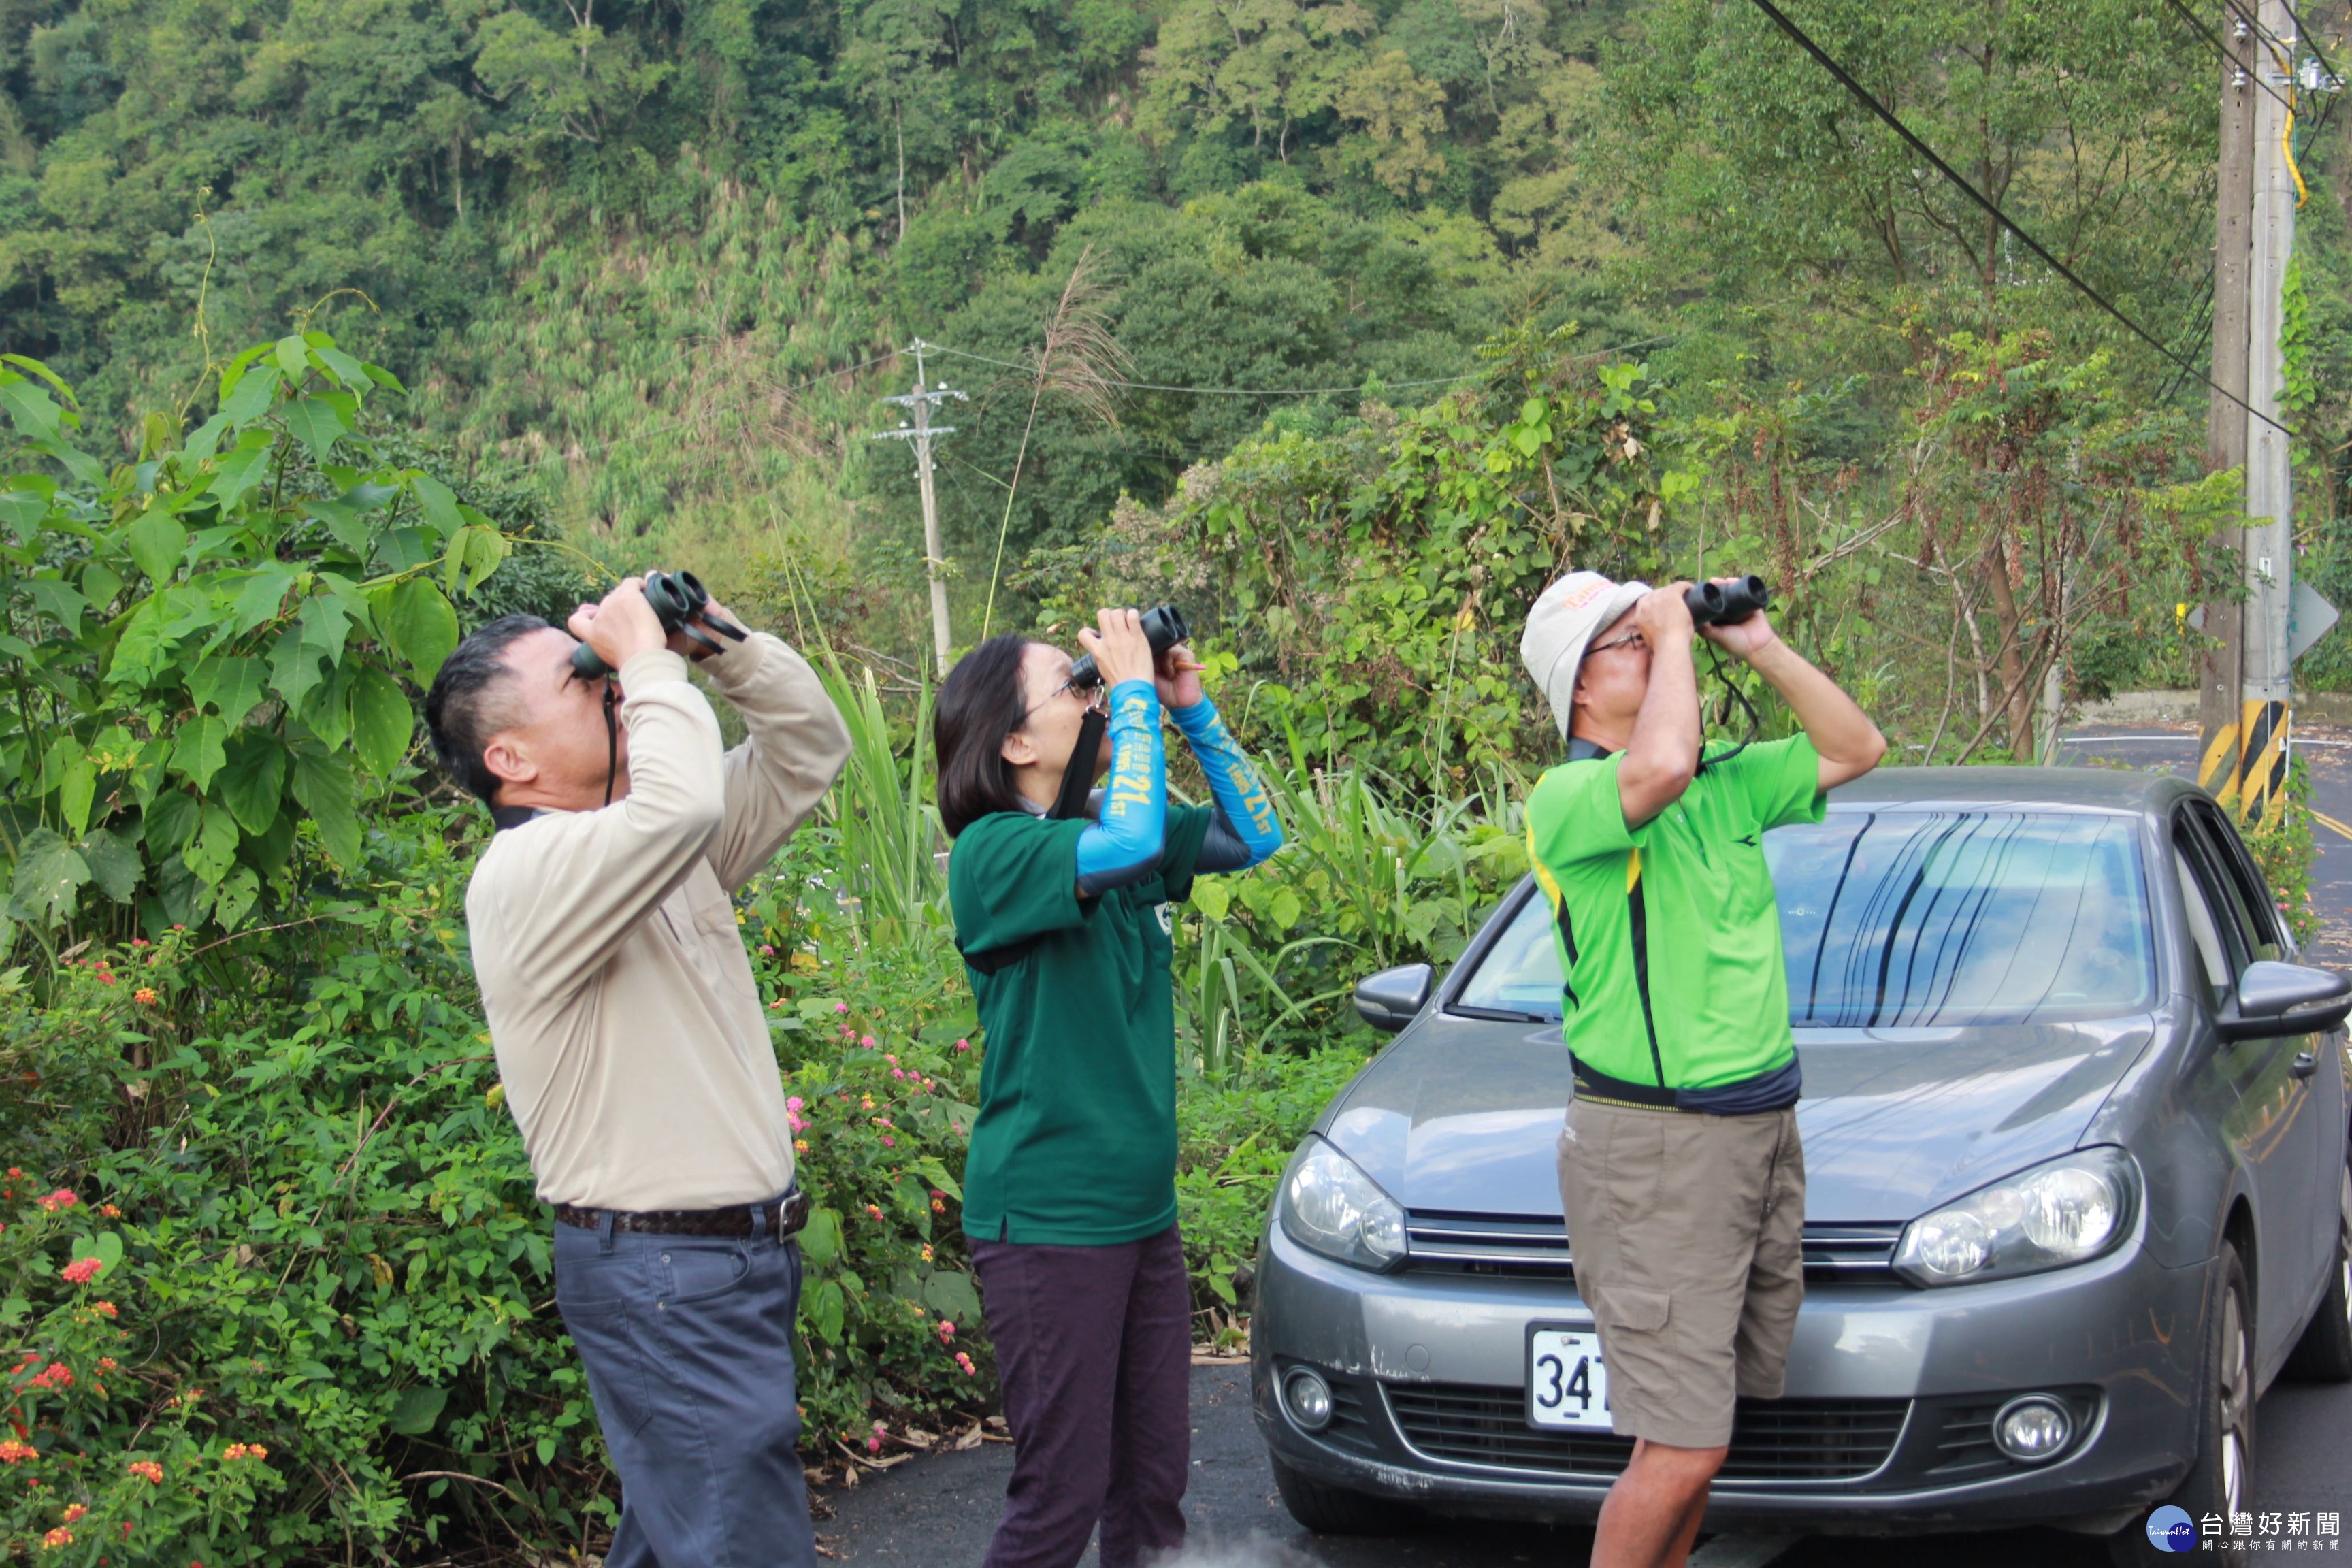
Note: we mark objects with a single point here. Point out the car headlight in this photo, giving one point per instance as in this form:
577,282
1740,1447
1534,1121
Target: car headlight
1330,1206
2066,1210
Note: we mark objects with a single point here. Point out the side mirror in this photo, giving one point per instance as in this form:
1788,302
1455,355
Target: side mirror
2277,998
1390,1000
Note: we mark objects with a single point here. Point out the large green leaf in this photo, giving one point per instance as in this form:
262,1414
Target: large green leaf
113,862
241,470
421,625
75,793
324,624
157,544
22,510
214,849
253,781
439,503
238,890
247,397
323,786
293,667
50,878
233,686
381,720
347,522
35,411
416,1409
328,710
170,820
263,597
317,423
197,753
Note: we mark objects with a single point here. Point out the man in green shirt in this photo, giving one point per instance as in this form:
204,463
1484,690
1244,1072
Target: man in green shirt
1681,1178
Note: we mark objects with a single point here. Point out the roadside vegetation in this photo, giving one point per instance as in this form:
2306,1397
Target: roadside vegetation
1346,327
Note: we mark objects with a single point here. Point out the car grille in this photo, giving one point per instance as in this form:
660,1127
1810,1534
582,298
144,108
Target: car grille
1772,1440
1526,1248
1352,1419
1965,1445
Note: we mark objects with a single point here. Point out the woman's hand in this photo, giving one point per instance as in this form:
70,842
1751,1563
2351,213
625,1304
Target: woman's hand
1179,679
1122,653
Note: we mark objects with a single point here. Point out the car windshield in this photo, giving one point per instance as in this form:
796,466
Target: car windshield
1917,918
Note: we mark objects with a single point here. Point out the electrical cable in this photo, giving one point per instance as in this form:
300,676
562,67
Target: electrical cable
2222,49
1224,391
1870,101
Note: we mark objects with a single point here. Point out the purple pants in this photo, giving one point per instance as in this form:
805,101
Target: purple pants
1095,1346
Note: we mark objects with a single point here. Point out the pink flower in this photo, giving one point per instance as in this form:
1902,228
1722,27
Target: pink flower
881,1121
891,1057
964,1362
767,949
841,1006
794,1103
963,1044
872,1444
946,1331
889,1143
60,1199
867,1042
81,1271
874,1210
898,1073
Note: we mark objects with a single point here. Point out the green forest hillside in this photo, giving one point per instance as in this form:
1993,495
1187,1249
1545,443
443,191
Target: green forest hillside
648,263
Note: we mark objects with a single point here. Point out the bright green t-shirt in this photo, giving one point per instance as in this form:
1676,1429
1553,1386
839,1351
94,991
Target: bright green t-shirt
1694,874
1076,1140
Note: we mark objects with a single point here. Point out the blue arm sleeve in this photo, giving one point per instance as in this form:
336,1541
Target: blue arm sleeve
1123,845
1246,829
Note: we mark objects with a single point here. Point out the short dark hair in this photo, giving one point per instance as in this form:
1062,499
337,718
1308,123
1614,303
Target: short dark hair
981,702
463,711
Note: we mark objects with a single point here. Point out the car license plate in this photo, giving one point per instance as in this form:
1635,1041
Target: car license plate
1567,1385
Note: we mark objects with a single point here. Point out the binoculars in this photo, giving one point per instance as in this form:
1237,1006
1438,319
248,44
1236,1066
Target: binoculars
1727,604
681,604
1163,629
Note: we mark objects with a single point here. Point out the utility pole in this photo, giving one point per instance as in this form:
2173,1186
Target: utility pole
2221,667
921,432
2270,484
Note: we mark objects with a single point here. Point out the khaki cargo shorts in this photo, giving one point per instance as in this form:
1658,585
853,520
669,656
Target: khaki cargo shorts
1687,1233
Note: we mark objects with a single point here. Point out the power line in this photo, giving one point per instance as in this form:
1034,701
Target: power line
1870,101
2222,49
1220,391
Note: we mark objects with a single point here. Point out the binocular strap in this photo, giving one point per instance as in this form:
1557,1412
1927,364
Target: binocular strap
1078,778
611,740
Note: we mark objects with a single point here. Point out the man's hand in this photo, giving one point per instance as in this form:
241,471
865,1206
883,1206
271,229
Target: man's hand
1746,639
1179,679
1663,616
622,626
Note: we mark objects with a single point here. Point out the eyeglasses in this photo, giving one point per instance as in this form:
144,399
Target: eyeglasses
1097,699
1631,639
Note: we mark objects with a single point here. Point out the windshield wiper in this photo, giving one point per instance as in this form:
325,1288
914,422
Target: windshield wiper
1500,1014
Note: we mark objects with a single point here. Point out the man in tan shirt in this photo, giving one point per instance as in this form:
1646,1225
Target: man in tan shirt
631,1040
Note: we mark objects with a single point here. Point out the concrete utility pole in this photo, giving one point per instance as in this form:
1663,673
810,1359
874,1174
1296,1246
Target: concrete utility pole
2221,668
2270,483
922,432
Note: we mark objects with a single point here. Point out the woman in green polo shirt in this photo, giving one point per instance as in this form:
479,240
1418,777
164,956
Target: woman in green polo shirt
1070,1189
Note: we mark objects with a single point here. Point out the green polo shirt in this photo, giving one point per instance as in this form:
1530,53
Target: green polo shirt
1076,1140
1694,874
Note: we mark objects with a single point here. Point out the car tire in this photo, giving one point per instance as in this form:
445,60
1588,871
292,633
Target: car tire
1335,1511
2218,1482
2324,1354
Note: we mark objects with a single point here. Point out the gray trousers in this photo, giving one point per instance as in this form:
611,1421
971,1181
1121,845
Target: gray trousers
688,1341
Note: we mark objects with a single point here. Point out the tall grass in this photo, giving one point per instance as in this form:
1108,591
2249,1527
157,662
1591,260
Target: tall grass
890,835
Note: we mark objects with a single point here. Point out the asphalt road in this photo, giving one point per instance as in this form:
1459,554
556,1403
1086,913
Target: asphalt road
935,1511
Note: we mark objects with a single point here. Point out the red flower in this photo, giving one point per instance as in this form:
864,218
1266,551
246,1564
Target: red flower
60,1199
104,1309
56,1538
82,1271
148,1470
57,1374
13,1452
73,1511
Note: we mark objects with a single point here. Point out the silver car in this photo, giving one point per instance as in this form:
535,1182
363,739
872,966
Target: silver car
2075,1130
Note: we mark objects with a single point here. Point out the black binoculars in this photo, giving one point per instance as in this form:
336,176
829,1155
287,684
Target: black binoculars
680,603
1727,604
1163,629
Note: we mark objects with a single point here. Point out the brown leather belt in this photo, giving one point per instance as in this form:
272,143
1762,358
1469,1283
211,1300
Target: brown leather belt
782,1218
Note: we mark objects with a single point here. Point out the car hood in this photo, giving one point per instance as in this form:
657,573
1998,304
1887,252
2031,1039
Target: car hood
1463,1116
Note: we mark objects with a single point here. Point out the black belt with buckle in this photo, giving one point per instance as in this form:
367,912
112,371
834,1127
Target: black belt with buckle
783,1218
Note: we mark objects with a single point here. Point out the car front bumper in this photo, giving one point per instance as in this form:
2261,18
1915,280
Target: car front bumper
1884,1424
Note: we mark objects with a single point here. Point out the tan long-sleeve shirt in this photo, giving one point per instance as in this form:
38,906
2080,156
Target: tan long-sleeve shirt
628,1029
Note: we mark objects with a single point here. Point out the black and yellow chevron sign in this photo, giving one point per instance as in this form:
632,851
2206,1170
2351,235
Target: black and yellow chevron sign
2244,767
